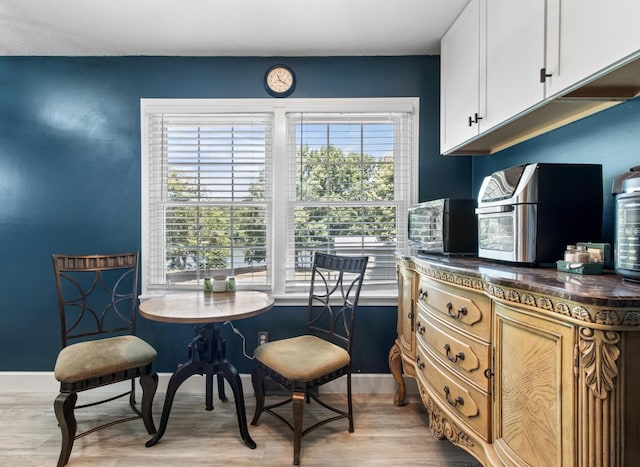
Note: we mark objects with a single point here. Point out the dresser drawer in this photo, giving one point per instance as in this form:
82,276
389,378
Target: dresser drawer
466,309
468,356
473,407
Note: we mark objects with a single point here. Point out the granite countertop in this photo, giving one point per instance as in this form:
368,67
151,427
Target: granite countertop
607,289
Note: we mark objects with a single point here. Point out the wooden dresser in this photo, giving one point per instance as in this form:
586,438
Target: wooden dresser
522,366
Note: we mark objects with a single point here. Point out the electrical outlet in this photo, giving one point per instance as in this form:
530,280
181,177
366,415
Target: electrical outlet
263,337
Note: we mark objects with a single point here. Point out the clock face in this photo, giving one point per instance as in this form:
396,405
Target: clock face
279,81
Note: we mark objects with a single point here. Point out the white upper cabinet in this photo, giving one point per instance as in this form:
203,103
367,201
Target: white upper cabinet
515,53
587,36
515,69
461,78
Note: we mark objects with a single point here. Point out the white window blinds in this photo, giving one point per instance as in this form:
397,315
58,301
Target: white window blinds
253,187
209,198
348,189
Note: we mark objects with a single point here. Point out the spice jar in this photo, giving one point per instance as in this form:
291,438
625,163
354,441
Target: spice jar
582,255
570,253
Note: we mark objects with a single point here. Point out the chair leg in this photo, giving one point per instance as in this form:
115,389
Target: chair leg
149,385
63,407
349,403
257,380
132,394
298,409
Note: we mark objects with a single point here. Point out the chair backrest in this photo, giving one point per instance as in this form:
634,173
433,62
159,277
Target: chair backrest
97,295
333,298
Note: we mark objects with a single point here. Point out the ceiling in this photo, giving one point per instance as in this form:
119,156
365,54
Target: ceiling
224,28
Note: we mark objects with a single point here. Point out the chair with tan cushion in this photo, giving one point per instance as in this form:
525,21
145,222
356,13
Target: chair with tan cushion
303,363
97,302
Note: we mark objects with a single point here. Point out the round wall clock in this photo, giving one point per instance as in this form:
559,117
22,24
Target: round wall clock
280,81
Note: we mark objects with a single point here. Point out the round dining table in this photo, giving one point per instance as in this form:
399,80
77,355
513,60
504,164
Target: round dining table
207,352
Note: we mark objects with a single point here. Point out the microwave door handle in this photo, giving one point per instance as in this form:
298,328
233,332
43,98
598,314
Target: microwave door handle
495,209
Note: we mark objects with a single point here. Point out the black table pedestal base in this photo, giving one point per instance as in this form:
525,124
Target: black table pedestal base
207,357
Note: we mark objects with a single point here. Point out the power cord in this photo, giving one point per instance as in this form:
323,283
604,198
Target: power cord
244,341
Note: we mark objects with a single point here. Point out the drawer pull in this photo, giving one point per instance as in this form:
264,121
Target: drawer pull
422,294
420,364
420,328
461,312
458,401
458,356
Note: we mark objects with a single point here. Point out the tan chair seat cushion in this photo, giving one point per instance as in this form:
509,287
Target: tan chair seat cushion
101,357
302,358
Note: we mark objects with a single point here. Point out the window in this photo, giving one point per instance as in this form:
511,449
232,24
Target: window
207,197
252,188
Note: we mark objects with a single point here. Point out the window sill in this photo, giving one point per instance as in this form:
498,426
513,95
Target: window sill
293,299
368,301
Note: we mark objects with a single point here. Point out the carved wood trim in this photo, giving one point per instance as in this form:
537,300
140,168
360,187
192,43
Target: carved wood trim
599,353
626,318
440,425
630,318
396,367
601,415
452,278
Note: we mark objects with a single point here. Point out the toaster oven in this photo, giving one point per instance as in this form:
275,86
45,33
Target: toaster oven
529,213
444,226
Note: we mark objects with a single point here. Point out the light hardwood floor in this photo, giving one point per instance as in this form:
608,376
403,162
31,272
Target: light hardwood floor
384,435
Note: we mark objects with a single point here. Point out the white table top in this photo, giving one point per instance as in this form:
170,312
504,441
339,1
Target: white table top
201,307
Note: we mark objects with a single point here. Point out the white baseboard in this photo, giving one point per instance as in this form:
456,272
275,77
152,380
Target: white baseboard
44,381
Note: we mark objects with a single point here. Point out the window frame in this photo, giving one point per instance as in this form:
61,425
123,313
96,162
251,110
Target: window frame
279,109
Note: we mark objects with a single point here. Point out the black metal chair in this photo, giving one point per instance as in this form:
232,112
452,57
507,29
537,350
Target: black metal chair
98,303
303,363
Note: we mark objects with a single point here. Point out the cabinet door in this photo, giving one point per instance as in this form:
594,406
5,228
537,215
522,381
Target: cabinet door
515,54
534,389
588,36
406,310
460,78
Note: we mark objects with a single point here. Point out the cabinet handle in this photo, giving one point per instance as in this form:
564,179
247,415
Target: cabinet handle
422,294
458,356
474,119
544,75
453,403
420,364
412,315
461,312
420,328
488,373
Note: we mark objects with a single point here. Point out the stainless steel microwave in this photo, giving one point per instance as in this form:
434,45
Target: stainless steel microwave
444,226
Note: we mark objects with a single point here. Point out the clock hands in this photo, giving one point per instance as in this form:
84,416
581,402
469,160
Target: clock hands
279,81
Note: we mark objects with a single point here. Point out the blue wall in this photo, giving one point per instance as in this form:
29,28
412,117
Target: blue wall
70,178
610,138
70,175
